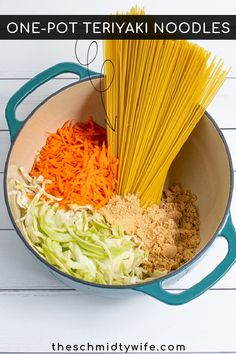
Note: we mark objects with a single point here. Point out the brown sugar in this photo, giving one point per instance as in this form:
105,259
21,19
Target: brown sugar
169,232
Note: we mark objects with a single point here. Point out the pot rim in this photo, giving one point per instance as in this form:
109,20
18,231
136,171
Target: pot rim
174,273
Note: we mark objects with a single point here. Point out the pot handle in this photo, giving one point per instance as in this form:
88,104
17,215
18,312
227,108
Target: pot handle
67,67
156,290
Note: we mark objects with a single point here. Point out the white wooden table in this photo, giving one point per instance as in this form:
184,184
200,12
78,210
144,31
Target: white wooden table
35,308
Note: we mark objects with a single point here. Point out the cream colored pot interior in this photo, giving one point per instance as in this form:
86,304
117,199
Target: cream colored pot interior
201,166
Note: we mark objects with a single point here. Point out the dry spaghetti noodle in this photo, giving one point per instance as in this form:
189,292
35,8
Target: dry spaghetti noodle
160,91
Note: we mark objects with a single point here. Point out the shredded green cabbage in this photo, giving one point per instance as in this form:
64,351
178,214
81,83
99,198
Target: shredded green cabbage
78,241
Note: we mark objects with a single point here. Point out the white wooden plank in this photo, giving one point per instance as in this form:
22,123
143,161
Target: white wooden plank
222,108
28,63
233,203
37,320
4,147
222,49
230,136
5,222
9,87
162,7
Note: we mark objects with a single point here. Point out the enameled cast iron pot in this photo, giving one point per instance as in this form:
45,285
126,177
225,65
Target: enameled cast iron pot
203,165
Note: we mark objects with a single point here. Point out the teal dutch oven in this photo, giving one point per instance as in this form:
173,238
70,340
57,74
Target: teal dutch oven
203,165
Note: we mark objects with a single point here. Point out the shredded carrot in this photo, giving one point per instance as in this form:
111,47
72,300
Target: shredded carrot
77,161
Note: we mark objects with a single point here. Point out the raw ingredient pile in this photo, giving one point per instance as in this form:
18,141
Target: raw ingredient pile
170,232
71,215
77,162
